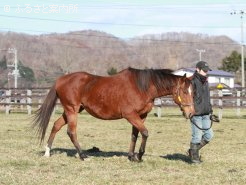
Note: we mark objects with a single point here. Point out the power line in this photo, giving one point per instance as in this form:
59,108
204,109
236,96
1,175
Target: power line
108,23
128,46
116,39
126,7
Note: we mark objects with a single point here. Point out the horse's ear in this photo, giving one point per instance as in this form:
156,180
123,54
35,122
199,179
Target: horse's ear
184,77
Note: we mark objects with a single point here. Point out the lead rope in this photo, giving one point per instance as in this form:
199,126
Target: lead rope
203,128
213,118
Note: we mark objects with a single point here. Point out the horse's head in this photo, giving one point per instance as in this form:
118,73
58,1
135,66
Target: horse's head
183,96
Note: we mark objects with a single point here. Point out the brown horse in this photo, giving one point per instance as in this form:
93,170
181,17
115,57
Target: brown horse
128,94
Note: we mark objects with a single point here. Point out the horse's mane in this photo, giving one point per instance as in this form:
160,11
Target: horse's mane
161,78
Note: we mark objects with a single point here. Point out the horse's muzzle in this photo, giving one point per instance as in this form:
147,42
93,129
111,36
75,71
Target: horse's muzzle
187,115
191,115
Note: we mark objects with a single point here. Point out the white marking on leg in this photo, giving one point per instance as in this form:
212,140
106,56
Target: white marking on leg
47,151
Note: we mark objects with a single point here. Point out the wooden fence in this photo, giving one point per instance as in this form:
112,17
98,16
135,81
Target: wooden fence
21,100
219,99
27,100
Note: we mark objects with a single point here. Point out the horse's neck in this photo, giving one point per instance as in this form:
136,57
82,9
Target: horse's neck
155,93
165,92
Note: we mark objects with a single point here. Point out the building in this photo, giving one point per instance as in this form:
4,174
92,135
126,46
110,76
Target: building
214,76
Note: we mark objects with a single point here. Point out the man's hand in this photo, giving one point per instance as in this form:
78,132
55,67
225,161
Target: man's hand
214,118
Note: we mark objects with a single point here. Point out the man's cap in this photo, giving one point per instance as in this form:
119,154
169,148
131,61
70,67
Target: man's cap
203,65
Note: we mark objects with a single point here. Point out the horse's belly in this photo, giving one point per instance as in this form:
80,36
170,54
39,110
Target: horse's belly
103,114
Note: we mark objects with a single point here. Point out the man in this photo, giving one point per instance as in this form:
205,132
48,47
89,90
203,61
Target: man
202,132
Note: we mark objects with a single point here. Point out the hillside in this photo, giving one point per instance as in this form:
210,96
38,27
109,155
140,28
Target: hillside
52,55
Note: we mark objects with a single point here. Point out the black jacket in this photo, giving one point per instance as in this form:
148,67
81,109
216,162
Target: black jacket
201,95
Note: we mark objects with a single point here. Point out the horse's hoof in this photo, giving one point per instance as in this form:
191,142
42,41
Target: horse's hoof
134,158
46,155
82,156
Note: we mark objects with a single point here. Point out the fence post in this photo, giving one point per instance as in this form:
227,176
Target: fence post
157,103
220,104
158,111
8,101
238,103
22,102
29,102
211,95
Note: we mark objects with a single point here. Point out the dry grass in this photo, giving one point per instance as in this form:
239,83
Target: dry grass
165,161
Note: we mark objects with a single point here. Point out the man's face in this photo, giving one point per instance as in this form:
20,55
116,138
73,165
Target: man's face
201,72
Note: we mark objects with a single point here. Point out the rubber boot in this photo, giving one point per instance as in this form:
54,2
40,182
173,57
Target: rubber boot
202,143
194,153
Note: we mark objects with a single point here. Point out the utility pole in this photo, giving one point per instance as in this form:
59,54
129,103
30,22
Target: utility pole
15,72
241,13
200,53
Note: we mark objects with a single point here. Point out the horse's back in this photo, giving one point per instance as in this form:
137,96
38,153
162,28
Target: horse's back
72,79
81,78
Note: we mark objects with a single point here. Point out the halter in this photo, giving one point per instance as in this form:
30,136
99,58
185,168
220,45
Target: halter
179,98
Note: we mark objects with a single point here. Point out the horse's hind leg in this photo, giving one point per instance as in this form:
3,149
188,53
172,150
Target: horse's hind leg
56,127
131,155
72,133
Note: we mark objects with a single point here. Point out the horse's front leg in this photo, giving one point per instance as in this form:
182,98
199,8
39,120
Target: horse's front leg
138,124
145,136
72,133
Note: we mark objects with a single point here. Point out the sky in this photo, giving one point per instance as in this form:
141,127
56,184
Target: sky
125,19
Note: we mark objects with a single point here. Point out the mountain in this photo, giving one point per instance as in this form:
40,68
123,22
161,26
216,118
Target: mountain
52,55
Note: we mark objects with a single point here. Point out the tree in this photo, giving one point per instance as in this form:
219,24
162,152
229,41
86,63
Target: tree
3,63
232,63
3,72
112,71
26,72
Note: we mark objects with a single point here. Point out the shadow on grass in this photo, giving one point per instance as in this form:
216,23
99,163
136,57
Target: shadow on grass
96,152
177,157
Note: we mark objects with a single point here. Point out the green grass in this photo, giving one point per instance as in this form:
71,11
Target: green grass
165,160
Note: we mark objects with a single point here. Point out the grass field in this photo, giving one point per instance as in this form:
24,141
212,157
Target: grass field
165,160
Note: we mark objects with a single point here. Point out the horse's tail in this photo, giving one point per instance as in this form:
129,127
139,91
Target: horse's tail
43,114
